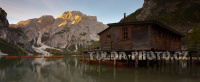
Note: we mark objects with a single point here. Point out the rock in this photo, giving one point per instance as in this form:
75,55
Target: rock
81,32
3,24
146,10
3,20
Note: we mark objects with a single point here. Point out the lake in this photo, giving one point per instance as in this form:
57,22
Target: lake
69,69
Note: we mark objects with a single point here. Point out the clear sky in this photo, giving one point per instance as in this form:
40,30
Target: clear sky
107,11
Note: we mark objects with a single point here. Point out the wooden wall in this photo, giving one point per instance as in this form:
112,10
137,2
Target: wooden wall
140,35
162,39
144,37
139,39
117,44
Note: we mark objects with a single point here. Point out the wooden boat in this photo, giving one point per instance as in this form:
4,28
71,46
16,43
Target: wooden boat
11,57
47,56
26,56
37,57
58,57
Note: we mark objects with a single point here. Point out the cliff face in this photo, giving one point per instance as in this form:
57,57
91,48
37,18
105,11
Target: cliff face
6,46
71,29
3,24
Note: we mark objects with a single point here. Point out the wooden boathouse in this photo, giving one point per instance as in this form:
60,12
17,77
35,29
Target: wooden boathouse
140,35
136,36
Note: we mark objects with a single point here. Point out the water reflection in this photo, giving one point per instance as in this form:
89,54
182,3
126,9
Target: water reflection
69,69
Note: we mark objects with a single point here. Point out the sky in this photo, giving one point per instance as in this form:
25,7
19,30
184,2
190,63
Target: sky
107,11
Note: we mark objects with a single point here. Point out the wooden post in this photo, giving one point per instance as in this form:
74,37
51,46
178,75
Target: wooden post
170,59
142,57
111,45
163,59
148,62
115,63
158,61
190,59
188,62
127,60
83,57
99,61
136,61
110,57
178,59
174,59
89,59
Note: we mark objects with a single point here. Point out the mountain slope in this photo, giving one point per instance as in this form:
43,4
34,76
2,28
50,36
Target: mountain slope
174,13
182,15
5,45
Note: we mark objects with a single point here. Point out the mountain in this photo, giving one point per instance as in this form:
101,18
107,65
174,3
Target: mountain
5,45
3,23
178,14
181,15
72,30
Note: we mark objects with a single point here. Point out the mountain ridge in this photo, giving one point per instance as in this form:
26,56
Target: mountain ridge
70,29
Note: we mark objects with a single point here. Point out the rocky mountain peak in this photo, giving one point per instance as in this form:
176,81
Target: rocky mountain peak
3,24
70,17
3,20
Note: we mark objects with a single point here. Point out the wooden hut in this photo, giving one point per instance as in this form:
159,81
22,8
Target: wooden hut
139,35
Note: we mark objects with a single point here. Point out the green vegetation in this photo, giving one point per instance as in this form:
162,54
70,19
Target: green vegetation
180,16
194,36
72,47
10,48
95,44
56,52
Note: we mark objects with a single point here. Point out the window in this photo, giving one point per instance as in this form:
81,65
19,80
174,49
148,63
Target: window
125,33
108,38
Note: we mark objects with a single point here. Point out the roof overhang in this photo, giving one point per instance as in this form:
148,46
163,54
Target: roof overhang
143,22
